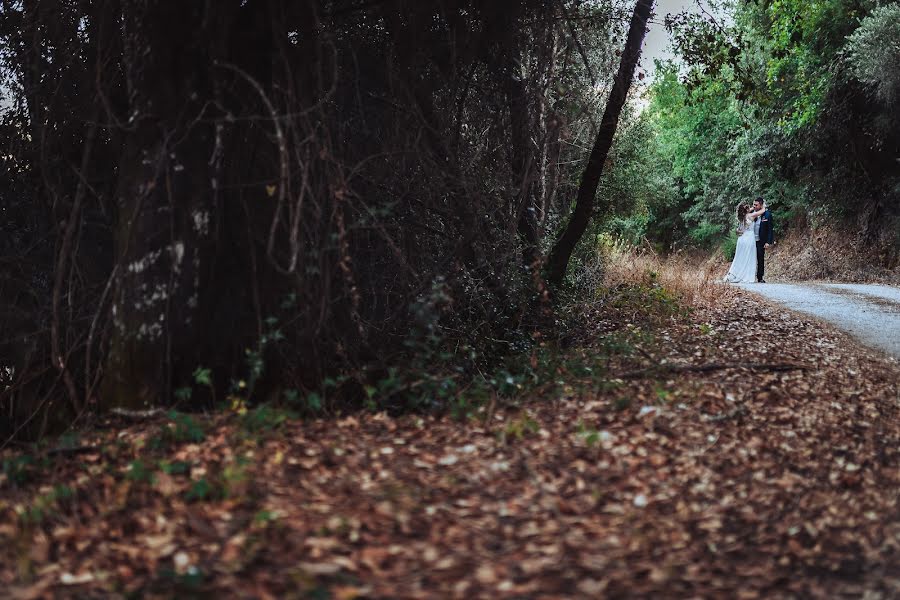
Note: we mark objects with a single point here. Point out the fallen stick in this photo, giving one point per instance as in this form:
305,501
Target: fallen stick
137,414
778,367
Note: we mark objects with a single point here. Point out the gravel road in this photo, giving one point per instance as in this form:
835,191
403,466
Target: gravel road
871,313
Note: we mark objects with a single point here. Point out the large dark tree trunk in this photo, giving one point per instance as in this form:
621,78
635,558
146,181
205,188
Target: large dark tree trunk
166,208
558,261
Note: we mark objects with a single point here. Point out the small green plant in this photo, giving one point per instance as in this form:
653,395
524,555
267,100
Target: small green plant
520,427
264,517
139,472
178,467
202,490
506,383
68,440
590,435
183,585
63,492
310,404
314,402
466,403
203,376
184,428
20,469
181,428
265,418
236,478
662,394
46,505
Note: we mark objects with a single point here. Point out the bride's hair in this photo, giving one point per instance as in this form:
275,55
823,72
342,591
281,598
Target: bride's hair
742,210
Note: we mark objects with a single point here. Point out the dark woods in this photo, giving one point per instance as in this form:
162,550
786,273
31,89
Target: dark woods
301,185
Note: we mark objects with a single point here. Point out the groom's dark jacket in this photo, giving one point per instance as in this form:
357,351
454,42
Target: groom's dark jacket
766,228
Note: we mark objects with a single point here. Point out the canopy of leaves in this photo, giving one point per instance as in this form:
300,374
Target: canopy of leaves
793,101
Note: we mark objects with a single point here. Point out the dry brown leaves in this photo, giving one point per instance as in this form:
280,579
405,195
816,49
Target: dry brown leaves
731,484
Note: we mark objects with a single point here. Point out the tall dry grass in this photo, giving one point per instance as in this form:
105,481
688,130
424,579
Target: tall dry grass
694,278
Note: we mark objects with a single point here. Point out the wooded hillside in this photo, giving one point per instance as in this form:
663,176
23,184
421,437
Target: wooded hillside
796,102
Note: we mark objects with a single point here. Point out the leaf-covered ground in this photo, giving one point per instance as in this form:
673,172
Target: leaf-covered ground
772,469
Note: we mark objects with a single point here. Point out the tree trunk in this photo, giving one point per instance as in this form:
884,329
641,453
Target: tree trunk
165,200
558,261
522,159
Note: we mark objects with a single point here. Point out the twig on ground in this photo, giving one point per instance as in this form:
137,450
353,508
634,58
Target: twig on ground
137,414
713,367
739,411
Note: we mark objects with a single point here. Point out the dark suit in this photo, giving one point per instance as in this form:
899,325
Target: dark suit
766,236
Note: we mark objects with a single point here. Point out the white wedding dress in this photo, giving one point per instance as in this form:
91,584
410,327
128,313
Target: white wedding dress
743,267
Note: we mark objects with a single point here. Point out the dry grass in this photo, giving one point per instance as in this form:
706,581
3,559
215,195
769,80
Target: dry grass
829,254
693,278
825,254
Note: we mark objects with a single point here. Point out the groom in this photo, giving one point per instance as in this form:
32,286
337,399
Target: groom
765,237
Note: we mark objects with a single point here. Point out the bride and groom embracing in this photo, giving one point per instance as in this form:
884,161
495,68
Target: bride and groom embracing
755,235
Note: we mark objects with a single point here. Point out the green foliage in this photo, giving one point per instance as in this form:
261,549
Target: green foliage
264,517
202,490
178,467
46,505
265,418
184,428
648,297
590,435
622,403
519,428
203,376
313,402
706,234
139,472
310,404
768,103
236,478
873,51
68,440
180,429
182,585
20,469
729,246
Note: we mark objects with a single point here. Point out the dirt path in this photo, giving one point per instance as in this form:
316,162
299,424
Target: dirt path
871,313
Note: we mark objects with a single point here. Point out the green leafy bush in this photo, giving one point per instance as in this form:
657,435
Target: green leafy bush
729,246
706,234
873,51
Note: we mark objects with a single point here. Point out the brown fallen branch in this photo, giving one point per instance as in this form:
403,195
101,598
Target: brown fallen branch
776,367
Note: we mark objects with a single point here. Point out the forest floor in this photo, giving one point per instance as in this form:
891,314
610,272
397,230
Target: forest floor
729,449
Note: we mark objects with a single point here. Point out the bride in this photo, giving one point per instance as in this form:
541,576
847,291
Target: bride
743,267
